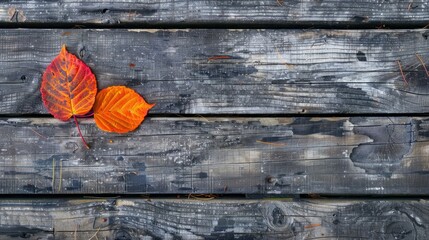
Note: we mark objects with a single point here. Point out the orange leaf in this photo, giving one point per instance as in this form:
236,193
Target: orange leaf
68,86
119,109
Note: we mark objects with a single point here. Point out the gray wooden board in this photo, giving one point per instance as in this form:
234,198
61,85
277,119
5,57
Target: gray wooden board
226,219
275,12
357,155
230,71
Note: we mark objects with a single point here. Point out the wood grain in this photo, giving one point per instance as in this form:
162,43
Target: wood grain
230,71
356,155
226,219
199,12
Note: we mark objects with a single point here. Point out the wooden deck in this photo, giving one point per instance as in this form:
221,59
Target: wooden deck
274,119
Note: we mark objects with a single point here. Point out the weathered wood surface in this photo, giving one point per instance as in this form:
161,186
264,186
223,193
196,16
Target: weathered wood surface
227,219
183,12
356,155
231,71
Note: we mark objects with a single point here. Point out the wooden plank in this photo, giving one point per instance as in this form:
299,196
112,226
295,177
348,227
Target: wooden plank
185,12
231,71
226,219
356,155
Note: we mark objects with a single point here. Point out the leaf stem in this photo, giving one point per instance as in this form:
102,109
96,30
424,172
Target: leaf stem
80,133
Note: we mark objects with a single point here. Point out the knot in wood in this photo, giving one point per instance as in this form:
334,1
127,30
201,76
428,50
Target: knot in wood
122,234
278,217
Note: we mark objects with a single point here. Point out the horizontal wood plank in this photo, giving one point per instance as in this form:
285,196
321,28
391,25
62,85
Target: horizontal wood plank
231,71
356,155
226,219
182,12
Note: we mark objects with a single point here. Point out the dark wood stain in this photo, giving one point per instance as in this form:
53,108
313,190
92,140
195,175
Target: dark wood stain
390,143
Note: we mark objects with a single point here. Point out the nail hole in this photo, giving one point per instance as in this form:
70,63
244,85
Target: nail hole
82,52
122,235
361,56
270,179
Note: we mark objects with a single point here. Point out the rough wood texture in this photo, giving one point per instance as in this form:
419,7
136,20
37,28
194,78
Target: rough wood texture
357,155
179,12
227,219
228,71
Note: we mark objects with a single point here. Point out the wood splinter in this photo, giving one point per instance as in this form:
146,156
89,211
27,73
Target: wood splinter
272,143
95,235
37,133
423,64
218,57
313,225
202,197
402,72
409,6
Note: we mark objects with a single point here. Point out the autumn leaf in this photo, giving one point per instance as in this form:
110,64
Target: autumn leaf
68,88
119,109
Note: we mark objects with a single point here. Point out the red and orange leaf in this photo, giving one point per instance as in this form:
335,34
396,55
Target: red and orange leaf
119,109
68,87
